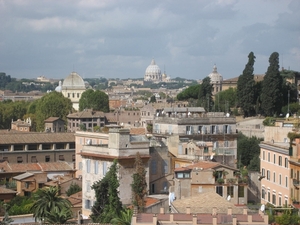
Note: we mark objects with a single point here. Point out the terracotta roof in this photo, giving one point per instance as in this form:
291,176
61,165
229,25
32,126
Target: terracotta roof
60,179
4,190
51,119
150,201
204,203
35,137
76,199
25,167
138,131
87,113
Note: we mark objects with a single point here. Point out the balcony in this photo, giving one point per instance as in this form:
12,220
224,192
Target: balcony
296,182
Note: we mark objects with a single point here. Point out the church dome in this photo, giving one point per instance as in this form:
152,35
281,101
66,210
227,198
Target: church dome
73,81
153,72
215,77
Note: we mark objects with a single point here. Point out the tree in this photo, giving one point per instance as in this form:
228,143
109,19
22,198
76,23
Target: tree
225,100
205,94
107,205
74,188
245,88
152,99
124,218
47,201
189,93
247,150
53,104
96,100
139,184
271,96
59,216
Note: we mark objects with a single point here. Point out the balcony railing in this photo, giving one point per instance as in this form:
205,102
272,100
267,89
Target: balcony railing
296,182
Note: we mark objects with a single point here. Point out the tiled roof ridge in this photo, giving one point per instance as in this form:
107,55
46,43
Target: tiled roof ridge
40,166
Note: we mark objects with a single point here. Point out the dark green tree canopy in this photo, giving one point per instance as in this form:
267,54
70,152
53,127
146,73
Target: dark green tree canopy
53,104
224,100
188,93
96,100
245,88
271,96
108,204
205,94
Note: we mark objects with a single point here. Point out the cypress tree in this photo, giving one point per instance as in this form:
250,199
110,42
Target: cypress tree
271,96
139,184
245,87
205,94
108,204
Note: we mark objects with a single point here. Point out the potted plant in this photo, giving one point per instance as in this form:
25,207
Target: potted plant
220,181
224,173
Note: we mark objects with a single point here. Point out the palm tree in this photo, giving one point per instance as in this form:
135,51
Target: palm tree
58,216
124,218
47,200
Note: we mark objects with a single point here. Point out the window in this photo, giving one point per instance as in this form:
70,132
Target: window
165,168
104,168
268,156
279,201
274,159
286,181
61,158
263,172
205,150
226,144
269,196
274,177
286,162
183,175
153,166
292,173
264,155
88,165
96,167
73,158
73,95
78,95
87,204
268,174
279,179
26,185
80,165
280,160
19,159
88,186
33,159
274,198
263,193
230,191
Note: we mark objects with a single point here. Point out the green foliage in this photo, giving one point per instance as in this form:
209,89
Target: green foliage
152,99
53,104
205,99
294,108
74,188
139,184
59,216
287,218
245,88
47,201
247,149
124,218
188,93
225,100
269,121
271,96
10,110
19,205
108,204
96,100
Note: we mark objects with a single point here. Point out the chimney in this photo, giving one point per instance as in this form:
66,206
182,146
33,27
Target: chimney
229,211
162,211
188,210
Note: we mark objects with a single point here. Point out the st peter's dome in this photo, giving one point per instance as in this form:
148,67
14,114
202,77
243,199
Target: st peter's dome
153,72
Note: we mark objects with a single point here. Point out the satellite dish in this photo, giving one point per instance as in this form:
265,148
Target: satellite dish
211,157
227,114
228,198
287,115
157,114
262,208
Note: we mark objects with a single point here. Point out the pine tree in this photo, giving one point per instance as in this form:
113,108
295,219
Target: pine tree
245,87
108,204
139,184
271,96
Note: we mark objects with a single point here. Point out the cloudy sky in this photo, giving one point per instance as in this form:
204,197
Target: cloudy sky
118,39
